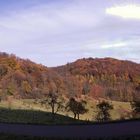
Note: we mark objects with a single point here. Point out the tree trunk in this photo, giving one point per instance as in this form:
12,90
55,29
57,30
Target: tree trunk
78,116
52,108
53,113
74,115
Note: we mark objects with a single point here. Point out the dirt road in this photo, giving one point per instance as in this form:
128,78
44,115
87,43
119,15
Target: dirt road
97,130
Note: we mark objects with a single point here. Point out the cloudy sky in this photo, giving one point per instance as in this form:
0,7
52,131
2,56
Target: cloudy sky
54,32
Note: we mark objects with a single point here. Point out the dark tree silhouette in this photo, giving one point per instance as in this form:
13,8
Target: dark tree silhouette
76,107
53,101
103,111
136,108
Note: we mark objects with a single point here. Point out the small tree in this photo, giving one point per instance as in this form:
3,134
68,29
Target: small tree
136,108
76,107
81,108
103,111
26,87
86,88
54,102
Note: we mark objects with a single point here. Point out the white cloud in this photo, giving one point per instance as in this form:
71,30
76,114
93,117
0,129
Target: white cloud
114,45
125,11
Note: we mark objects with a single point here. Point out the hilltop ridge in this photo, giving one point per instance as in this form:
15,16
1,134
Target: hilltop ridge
95,77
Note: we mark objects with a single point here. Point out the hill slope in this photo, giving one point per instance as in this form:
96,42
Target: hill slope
99,78
25,79
107,78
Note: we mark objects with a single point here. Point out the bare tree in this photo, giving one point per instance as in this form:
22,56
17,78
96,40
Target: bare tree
86,88
136,108
53,101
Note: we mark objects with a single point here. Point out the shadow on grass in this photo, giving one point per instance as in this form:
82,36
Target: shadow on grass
35,117
40,117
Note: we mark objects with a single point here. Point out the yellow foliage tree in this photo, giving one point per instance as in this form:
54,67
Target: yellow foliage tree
26,87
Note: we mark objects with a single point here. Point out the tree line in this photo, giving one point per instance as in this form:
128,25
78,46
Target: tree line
78,107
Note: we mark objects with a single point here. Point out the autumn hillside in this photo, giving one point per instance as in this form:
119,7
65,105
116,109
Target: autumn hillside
108,78
99,78
25,79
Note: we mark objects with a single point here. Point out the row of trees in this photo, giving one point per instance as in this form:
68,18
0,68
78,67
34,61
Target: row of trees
57,103
78,107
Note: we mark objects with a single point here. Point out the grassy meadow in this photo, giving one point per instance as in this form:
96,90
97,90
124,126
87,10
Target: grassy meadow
28,111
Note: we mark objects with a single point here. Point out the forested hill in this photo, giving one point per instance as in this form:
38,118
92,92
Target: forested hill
25,79
107,78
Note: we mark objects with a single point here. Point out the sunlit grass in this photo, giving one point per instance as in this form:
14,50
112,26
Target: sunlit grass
121,109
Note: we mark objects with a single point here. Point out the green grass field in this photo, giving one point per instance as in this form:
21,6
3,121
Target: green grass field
31,112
